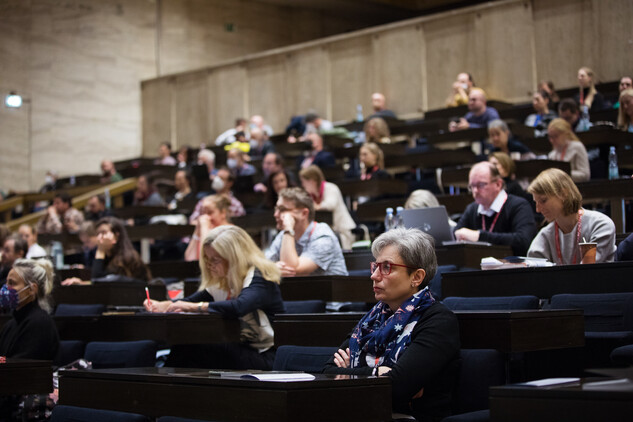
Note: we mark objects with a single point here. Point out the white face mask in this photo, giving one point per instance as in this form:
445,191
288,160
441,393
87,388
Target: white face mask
48,180
231,163
217,184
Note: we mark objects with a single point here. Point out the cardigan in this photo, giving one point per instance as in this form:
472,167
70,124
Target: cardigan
30,334
514,227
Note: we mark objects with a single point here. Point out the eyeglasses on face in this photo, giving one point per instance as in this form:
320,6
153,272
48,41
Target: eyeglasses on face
280,210
478,186
386,267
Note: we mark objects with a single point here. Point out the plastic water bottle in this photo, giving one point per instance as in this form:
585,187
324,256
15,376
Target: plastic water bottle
359,113
614,173
108,200
398,223
585,122
389,219
73,181
57,252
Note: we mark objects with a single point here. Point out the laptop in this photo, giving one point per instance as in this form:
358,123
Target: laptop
432,220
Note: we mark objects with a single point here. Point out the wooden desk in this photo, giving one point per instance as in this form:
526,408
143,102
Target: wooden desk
330,288
506,331
373,187
175,269
26,376
613,277
109,293
167,328
469,255
467,135
432,159
612,191
572,403
458,176
193,394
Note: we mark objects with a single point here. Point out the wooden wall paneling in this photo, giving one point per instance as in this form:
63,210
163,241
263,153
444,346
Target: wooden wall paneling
267,90
191,109
398,56
450,49
157,102
351,62
613,38
307,81
504,39
226,98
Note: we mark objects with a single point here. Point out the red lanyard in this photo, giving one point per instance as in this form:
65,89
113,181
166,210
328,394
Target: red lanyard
492,226
557,236
582,96
368,173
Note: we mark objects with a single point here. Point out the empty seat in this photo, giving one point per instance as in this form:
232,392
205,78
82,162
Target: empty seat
63,413
121,354
505,303
69,351
304,306
66,309
623,355
302,358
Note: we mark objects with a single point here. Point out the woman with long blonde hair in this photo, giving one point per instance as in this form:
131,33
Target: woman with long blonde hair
567,147
238,282
587,93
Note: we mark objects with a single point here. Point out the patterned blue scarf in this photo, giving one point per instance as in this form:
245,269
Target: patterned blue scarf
383,335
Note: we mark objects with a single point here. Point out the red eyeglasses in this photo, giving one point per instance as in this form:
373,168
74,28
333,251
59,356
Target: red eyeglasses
385,267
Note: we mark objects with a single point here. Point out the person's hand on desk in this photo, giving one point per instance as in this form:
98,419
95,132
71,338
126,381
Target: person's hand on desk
157,305
182,306
75,281
467,234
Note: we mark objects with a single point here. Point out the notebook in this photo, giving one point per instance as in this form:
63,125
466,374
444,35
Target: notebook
432,220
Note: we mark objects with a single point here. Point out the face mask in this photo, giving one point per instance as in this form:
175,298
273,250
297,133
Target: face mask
48,180
218,184
9,299
231,163
465,86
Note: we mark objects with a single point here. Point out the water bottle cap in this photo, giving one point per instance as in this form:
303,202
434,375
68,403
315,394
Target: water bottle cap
389,210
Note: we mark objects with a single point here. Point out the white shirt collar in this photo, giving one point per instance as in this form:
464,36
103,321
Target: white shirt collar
496,205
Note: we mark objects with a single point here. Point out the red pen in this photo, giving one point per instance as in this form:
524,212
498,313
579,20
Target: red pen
149,301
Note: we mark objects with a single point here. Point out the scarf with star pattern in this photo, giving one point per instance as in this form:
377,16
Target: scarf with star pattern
382,335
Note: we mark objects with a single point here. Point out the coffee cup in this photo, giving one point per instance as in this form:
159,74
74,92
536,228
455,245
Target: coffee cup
588,252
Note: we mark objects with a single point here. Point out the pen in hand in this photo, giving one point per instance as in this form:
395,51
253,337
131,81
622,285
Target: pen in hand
149,301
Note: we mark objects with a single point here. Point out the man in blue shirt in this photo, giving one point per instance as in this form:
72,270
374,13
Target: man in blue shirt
479,114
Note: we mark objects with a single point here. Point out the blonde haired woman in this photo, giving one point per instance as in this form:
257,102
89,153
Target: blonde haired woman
625,114
377,130
560,202
587,93
237,282
567,147
214,212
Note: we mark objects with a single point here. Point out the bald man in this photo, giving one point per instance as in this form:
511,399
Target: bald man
479,114
379,105
495,216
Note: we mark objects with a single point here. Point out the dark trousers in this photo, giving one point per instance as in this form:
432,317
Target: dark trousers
220,356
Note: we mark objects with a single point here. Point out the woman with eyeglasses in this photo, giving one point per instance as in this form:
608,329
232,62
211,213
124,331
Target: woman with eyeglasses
408,335
237,282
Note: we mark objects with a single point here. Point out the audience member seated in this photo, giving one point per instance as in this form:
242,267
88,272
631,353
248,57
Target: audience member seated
260,145
313,124
587,93
115,254
568,111
479,114
548,86
540,120
183,157
89,242
503,141
31,333
408,335
567,147
372,162
215,212
184,195
422,198
14,247
303,246
625,83
317,155
327,197
273,162
29,234
376,130
236,162
164,155
277,182
96,208
50,182
206,157
228,136
258,121
495,216
507,170
109,173
625,114
60,217
460,91
625,249
241,142
379,106
238,282
146,194
222,184
560,202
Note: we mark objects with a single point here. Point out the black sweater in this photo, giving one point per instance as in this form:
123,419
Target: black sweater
31,334
515,226
431,362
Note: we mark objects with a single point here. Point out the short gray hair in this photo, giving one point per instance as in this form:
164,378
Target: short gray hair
39,272
416,248
421,198
498,124
206,154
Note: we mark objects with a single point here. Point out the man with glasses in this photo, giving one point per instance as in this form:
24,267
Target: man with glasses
495,216
303,246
